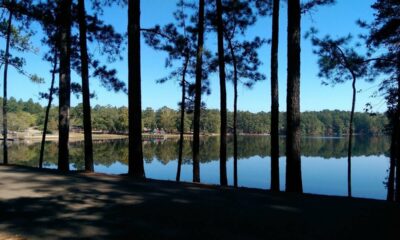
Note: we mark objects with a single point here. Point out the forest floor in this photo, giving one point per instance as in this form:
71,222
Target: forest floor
44,204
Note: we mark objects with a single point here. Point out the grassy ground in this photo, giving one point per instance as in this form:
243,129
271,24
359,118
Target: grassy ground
43,204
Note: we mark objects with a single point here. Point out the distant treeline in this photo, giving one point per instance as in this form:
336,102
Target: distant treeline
26,114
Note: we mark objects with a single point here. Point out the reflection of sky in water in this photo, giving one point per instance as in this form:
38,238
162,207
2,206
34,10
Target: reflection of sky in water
324,170
320,176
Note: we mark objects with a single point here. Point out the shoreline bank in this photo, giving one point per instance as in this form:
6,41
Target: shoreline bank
101,206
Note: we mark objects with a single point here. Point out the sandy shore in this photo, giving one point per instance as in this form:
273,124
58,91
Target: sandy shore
76,137
43,204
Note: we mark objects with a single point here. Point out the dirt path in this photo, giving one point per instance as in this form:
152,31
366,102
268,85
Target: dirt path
44,204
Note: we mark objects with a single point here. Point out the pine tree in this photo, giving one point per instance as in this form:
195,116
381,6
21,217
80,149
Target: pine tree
136,164
274,131
87,119
222,83
241,57
197,90
293,159
338,62
384,35
64,22
179,41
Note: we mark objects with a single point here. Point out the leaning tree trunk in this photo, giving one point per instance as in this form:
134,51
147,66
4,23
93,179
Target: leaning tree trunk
87,119
136,165
353,105
197,101
64,18
182,125
222,83
275,99
46,118
6,61
293,158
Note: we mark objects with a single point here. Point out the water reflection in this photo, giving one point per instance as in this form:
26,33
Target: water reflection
324,162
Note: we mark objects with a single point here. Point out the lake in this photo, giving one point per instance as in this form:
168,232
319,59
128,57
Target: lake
324,162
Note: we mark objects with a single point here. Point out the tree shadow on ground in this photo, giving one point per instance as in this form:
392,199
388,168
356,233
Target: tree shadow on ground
44,204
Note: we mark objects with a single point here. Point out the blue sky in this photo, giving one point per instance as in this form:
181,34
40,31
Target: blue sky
336,20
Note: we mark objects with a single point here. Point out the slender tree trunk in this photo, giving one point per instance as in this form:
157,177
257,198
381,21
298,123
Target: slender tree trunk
392,168
6,60
395,157
197,100
46,118
65,83
353,105
235,97
222,83
235,143
397,134
87,119
275,185
136,165
293,157
182,125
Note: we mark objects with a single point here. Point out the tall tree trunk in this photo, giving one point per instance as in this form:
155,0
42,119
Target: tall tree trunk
222,83
396,133
392,168
353,105
64,18
87,119
6,60
182,125
136,165
46,118
275,100
235,143
395,153
197,101
235,97
293,157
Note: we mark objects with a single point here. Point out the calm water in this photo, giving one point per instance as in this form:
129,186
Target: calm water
324,162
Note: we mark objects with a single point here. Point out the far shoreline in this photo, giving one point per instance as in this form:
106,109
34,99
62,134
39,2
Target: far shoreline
77,137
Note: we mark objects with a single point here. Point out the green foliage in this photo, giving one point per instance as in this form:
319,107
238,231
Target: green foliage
149,119
384,39
25,114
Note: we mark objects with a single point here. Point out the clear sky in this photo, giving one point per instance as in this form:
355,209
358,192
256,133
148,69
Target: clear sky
336,20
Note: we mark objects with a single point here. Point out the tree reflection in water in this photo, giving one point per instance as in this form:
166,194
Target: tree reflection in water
162,153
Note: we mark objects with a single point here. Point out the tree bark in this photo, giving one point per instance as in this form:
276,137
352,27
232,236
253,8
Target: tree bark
64,14
235,143
395,152
275,185
182,126
136,165
6,60
87,119
392,168
197,101
222,83
396,133
293,157
235,98
46,118
349,150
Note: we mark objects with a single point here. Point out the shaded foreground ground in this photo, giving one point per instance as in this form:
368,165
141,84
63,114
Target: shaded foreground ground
43,204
